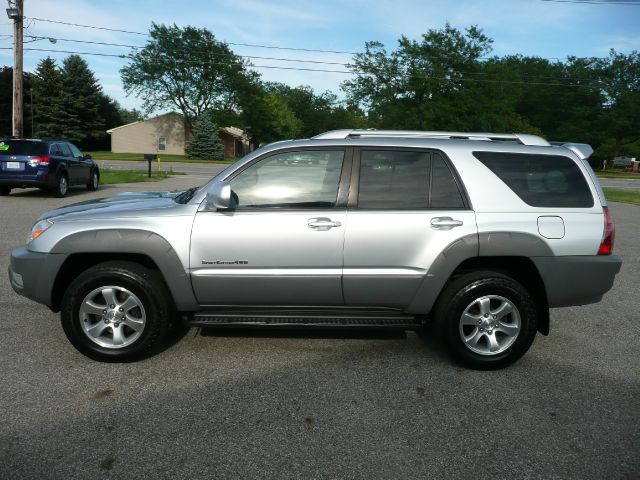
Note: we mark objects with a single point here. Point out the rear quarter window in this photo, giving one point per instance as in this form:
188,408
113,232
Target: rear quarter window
540,180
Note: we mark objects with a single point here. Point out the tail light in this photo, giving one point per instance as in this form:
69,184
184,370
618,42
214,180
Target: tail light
606,246
40,160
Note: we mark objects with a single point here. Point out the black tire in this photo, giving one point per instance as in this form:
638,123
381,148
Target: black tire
94,180
144,283
461,293
62,186
5,191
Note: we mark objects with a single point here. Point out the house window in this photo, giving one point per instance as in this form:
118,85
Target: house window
162,144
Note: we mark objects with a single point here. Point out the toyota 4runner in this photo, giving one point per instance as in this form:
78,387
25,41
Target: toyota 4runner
477,233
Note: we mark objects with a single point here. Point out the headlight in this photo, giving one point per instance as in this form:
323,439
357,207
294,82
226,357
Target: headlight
38,229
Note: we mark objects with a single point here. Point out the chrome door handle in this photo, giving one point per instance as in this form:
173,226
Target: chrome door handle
323,223
445,223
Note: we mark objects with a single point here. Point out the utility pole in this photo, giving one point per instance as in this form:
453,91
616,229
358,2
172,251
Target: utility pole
16,13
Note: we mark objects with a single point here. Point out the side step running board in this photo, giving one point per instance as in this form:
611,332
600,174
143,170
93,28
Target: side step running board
304,317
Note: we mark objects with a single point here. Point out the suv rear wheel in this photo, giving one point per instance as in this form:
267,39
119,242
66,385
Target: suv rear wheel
116,311
4,191
487,320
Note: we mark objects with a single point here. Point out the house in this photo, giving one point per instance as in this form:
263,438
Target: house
168,134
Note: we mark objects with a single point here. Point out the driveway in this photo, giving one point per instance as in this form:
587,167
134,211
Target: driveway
297,404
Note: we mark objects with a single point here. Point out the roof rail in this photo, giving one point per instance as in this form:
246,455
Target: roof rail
522,138
582,150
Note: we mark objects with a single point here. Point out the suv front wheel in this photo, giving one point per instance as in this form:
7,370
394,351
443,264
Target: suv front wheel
116,311
487,320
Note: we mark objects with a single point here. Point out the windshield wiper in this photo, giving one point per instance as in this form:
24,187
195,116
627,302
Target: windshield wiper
187,195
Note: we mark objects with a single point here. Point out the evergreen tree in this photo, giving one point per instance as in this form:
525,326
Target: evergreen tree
81,100
47,99
205,143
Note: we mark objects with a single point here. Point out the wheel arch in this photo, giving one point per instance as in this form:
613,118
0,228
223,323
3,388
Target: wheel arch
504,252
86,249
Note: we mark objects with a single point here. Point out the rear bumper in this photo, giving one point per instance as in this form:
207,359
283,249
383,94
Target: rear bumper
39,180
33,274
577,280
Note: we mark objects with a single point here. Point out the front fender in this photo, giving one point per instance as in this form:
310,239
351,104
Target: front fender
142,242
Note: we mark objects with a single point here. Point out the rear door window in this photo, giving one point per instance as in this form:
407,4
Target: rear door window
406,180
540,180
444,190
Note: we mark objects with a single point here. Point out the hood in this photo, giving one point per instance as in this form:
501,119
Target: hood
128,204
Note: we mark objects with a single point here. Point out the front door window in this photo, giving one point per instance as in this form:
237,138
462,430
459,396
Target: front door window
306,179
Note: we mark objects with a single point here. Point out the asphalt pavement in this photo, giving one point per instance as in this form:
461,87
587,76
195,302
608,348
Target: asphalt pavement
620,183
299,404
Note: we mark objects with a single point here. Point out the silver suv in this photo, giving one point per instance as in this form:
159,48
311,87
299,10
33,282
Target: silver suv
477,234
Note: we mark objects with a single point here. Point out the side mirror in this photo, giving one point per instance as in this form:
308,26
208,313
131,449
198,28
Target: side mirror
219,196
87,156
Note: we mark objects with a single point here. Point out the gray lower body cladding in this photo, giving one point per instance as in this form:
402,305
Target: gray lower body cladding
577,280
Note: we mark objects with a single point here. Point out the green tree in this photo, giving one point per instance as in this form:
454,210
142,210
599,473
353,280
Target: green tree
47,99
130,116
317,113
205,143
437,82
81,101
6,101
620,75
188,69
265,115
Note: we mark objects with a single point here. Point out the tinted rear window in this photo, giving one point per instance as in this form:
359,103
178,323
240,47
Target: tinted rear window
22,147
540,180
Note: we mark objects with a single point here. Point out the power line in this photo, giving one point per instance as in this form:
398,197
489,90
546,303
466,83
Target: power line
229,43
297,49
139,47
280,59
354,72
85,26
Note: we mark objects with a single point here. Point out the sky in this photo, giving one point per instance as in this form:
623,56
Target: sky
529,27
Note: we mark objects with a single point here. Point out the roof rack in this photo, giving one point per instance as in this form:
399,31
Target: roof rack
522,138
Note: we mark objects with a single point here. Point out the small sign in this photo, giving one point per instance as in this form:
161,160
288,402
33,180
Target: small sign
13,165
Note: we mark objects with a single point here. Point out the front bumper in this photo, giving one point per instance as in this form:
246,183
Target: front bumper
577,280
33,274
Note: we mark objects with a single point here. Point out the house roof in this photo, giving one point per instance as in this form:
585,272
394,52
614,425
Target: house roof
234,132
142,121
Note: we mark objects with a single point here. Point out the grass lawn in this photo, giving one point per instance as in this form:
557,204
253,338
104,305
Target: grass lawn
623,196
131,176
618,173
104,155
